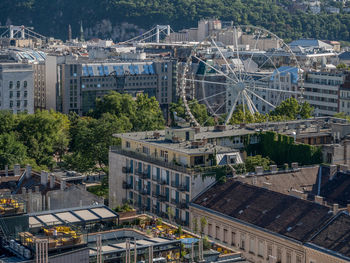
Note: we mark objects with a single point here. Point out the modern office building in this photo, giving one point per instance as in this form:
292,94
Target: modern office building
16,87
81,82
159,171
321,90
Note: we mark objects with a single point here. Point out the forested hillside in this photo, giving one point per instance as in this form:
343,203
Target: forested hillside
123,18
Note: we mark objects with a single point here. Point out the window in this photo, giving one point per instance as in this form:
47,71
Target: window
11,103
225,236
127,144
217,232
252,245
260,248
18,94
25,94
298,259
242,243
289,257
269,250
11,94
279,255
11,84
233,238
18,84
25,103
18,103
210,226
25,84
145,150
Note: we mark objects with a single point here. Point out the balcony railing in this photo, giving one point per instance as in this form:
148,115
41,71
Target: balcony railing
182,187
126,170
144,192
126,185
182,205
151,159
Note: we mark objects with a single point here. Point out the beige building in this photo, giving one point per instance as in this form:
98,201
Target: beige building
267,226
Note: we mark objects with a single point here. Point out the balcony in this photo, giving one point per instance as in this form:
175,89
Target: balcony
160,197
182,205
126,185
173,184
173,201
144,192
162,182
126,170
182,188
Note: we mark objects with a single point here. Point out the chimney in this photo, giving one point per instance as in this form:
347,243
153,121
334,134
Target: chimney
63,184
43,178
17,170
259,170
319,199
6,170
332,170
37,188
52,181
294,166
335,208
28,171
273,168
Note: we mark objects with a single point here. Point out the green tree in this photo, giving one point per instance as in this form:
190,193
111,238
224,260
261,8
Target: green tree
291,109
252,161
203,224
44,133
12,151
198,110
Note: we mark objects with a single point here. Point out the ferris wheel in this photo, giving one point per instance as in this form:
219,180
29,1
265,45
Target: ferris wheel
239,65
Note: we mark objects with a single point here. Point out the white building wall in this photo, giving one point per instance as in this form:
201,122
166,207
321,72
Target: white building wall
18,97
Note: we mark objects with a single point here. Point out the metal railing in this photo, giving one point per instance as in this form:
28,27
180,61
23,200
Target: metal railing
151,159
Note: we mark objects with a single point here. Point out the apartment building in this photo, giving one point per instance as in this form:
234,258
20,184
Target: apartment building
267,226
16,87
321,90
165,170
39,86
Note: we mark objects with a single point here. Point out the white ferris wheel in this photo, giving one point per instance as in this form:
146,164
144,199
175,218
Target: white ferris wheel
240,65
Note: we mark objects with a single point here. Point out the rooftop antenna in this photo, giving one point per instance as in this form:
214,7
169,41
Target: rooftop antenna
69,33
82,39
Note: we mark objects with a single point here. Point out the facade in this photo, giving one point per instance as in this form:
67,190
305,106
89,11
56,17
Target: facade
268,226
81,83
161,171
344,96
16,87
39,86
321,90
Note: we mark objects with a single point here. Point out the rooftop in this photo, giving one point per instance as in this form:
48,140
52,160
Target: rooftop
335,237
275,212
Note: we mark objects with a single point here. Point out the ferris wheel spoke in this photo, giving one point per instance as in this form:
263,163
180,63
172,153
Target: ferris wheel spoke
235,35
205,98
224,58
250,107
233,108
209,82
218,71
252,103
256,95
215,112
